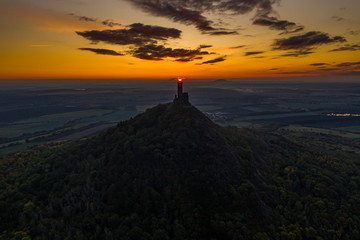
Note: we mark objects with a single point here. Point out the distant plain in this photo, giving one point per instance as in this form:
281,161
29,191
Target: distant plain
34,113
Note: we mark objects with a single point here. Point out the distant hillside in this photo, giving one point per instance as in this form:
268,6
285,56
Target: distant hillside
171,173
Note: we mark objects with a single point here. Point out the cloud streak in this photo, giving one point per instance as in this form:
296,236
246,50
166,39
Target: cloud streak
143,41
205,46
193,12
276,24
306,41
318,64
344,68
337,18
106,22
253,53
110,23
159,52
102,51
353,32
238,47
216,60
348,64
135,34
83,18
348,47
298,53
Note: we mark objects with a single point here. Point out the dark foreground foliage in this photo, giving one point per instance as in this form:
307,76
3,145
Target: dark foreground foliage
171,173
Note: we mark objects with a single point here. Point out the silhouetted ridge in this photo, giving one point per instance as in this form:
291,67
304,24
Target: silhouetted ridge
171,173
178,125
184,136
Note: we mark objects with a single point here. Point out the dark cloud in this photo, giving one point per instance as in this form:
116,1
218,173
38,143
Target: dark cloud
237,47
353,33
176,13
216,60
253,53
347,47
205,46
306,41
221,32
337,18
188,59
102,51
245,6
110,23
217,33
345,68
143,41
83,18
87,19
297,53
154,31
135,34
348,64
192,12
319,64
107,22
341,68
276,24
159,52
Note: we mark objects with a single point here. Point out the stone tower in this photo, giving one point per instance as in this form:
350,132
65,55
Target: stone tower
181,97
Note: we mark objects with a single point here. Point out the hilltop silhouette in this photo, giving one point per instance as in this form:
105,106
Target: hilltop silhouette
171,173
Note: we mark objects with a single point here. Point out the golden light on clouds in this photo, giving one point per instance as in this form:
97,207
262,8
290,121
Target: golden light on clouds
122,39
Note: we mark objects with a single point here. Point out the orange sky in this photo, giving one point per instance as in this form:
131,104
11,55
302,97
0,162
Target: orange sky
66,39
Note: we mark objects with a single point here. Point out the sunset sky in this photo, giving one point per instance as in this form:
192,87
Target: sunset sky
196,39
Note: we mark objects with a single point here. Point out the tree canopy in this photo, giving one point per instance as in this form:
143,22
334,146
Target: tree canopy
170,173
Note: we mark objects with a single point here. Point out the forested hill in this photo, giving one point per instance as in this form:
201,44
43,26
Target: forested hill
171,173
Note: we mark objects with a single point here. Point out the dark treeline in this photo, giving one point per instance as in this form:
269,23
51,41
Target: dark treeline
171,173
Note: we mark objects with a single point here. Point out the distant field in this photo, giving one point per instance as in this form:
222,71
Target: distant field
14,130
73,110
275,116
87,132
355,129
115,116
52,121
322,131
67,116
